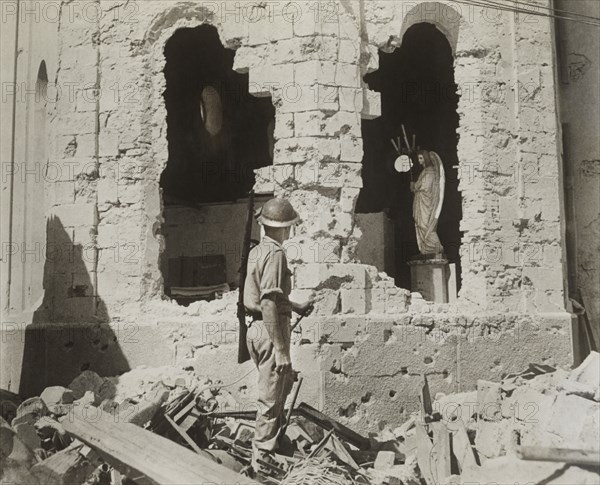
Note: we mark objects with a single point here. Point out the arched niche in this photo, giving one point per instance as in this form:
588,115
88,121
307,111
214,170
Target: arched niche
34,227
418,91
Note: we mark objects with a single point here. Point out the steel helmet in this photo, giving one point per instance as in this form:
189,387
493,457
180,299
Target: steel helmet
277,213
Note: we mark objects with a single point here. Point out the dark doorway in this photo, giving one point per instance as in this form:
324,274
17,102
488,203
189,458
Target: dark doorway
418,91
217,134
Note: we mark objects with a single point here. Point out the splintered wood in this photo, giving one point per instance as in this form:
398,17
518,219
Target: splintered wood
159,459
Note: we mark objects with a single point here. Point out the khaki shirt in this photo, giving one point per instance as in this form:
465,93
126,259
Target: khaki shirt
268,274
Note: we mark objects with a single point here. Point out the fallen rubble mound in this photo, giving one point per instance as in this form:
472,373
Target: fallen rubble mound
537,427
170,425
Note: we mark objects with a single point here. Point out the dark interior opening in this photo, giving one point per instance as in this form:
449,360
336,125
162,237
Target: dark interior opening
418,91
218,134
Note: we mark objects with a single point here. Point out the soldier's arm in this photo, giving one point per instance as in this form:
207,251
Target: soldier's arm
270,315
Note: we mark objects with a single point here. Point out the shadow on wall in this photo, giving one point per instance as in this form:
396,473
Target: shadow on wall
70,332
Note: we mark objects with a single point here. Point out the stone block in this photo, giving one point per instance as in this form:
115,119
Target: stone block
347,75
73,215
266,25
341,175
263,81
588,372
313,250
327,302
396,300
348,197
351,99
348,51
575,420
306,149
248,57
491,438
335,276
86,145
318,123
529,406
90,381
107,191
264,180
29,411
376,302
57,395
354,301
284,126
62,193
351,149
108,144
77,124
297,98
488,400
384,460
371,108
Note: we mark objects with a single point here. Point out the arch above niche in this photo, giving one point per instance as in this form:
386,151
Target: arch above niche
446,19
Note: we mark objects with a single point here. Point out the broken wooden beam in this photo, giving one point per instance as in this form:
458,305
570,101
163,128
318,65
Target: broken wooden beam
125,445
461,445
327,423
560,455
424,449
425,400
443,454
65,467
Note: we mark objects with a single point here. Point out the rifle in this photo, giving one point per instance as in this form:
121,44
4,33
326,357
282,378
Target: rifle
243,354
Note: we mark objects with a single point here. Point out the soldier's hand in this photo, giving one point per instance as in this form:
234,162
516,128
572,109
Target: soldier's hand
283,363
306,308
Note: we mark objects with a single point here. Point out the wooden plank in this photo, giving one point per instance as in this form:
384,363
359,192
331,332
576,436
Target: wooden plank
317,449
340,451
560,455
158,458
441,446
425,399
185,436
461,445
64,468
424,451
327,423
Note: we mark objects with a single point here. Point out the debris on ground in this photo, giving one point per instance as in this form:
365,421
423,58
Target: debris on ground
170,425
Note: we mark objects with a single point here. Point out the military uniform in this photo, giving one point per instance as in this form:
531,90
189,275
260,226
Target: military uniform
268,275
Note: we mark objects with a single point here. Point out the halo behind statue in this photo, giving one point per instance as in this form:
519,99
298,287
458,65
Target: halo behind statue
402,164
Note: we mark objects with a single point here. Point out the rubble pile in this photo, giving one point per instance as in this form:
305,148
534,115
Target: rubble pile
170,425
540,426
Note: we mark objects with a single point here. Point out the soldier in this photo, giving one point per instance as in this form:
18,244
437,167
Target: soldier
266,298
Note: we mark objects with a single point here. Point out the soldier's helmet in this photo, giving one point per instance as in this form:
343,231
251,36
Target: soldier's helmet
277,213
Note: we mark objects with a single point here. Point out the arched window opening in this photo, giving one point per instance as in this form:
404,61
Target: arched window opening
418,92
34,226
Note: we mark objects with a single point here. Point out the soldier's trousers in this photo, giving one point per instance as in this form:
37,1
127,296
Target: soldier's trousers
273,387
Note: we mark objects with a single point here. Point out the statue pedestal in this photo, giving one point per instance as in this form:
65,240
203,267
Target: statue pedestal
434,279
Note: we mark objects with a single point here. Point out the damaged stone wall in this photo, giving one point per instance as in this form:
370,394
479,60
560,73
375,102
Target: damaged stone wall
504,70
578,81
310,59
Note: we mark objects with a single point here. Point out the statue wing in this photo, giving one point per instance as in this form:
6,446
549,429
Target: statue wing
439,167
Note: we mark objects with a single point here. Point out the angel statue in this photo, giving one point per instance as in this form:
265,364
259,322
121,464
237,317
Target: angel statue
429,196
